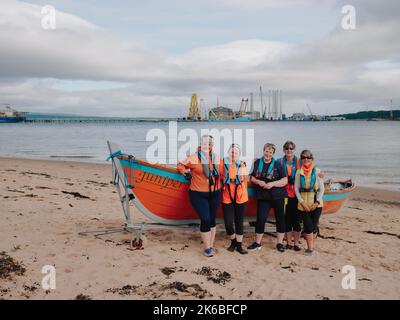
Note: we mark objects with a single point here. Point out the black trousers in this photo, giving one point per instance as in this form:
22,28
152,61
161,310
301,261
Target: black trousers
263,207
311,220
206,206
233,217
292,216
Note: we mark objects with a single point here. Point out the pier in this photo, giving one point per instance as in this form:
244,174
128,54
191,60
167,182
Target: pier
94,120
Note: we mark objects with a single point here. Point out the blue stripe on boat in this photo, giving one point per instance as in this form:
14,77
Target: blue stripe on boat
178,177
156,171
335,196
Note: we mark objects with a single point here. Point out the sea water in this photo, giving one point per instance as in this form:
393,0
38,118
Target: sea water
366,151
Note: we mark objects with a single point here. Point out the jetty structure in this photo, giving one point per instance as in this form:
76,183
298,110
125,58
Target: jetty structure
88,120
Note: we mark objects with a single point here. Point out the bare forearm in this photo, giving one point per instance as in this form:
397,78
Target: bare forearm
280,183
255,180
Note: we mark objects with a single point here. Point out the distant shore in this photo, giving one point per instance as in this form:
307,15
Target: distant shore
127,120
44,204
379,115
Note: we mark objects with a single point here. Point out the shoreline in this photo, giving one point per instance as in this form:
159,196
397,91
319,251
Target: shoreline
381,186
46,203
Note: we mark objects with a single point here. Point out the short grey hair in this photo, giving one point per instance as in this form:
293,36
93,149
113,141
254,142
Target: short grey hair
307,153
269,145
236,146
209,137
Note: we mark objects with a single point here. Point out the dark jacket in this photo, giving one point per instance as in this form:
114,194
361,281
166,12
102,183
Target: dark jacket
275,193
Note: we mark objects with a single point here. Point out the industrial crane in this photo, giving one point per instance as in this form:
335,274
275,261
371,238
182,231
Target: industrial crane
309,109
243,106
194,112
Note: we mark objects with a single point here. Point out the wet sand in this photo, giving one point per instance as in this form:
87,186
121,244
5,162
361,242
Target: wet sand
45,204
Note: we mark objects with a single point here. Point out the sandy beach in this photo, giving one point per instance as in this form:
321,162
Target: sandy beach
45,204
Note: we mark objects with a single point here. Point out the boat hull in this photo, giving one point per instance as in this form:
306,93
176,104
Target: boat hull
161,194
11,119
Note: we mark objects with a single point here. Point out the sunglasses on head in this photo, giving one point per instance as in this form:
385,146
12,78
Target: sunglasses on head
289,148
304,158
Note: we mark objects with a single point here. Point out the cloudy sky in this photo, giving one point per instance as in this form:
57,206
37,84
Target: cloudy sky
145,58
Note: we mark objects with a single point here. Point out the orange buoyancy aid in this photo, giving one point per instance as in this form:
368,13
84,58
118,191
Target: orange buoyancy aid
234,188
290,171
199,180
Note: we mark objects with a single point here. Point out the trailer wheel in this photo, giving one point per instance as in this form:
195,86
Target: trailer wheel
136,244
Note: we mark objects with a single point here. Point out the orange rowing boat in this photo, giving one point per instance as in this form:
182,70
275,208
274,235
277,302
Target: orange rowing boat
161,193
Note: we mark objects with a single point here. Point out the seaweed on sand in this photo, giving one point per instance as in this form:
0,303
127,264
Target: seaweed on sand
8,266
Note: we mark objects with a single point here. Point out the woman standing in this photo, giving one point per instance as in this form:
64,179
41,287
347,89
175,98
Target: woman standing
309,188
203,170
234,197
270,181
290,164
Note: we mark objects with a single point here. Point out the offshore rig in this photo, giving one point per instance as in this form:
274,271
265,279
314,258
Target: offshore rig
271,109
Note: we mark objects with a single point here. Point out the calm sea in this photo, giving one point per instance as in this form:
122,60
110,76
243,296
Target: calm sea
368,152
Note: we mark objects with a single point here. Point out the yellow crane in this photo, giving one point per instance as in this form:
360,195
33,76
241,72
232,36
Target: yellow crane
194,111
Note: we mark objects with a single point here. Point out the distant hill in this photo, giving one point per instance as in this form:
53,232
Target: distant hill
383,114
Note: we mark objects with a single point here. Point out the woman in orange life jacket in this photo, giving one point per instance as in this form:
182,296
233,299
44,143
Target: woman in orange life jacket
309,189
270,181
234,197
290,164
203,170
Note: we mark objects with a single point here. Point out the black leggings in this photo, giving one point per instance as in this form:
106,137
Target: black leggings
233,217
205,207
311,220
263,207
292,216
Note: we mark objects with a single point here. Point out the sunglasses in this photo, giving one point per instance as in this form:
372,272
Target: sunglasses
304,158
289,148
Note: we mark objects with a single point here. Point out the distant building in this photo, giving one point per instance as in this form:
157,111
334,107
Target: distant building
298,116
255,115
220,113
252,115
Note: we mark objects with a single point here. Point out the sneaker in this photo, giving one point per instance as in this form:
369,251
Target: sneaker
208,252
240,249
232,247
289,247
280,247
308,252
254,246
296,248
